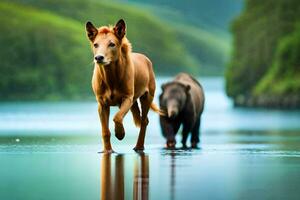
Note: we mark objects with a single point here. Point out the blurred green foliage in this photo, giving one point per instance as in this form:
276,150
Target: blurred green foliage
213,15
45,54
283,77
265,60
39,55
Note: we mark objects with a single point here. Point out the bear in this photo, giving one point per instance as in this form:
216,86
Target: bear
182,99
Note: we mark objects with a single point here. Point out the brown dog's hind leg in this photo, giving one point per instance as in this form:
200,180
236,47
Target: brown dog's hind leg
146,101
136,114
104,116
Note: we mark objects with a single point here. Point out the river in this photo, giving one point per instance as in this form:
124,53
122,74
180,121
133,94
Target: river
48,150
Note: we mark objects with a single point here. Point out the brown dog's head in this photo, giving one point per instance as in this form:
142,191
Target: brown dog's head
106,41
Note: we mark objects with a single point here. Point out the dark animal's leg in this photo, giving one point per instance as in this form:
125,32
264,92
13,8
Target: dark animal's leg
176,126
185,133
136,114
146,101
168,131
195,134
104,116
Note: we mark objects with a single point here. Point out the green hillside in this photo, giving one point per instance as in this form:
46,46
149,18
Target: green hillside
201,25
283,77
148,33
37,62
46,55
264,69
212,15
212,51
140,27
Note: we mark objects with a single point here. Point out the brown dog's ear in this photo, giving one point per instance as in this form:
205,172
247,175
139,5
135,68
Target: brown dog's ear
120,29
91,31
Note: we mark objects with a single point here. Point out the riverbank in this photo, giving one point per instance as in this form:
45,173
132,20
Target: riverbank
287,102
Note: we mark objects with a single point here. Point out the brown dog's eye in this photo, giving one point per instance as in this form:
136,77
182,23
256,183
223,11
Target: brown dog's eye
96,45
111,44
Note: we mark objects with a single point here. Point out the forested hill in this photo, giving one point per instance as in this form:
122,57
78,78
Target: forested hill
45,54
208,14
265,65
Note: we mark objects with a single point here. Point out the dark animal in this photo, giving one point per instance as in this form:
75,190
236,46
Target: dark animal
183,101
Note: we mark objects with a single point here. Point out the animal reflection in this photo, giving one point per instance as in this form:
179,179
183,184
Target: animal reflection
141,178
112,178
173,175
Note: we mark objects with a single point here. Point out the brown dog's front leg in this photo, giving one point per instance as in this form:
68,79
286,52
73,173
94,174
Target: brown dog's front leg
118,118
103,111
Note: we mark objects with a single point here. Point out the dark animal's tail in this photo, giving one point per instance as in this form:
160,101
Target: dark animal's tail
156,109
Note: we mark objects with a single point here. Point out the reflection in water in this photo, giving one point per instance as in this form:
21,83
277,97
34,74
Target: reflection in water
174,161
141,178
173,175
106,178
119,186
112,185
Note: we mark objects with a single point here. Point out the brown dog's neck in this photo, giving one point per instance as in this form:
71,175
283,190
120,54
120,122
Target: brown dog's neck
124,52
113,73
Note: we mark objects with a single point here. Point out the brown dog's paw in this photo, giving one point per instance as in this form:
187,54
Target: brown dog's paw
109,151
119,131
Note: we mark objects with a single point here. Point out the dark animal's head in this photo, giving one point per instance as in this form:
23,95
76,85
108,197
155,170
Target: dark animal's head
173,98
107,42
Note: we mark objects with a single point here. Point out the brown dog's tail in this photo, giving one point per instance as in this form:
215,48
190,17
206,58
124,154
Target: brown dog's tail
156,109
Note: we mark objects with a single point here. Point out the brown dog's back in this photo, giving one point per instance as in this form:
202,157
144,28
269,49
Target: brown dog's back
144,79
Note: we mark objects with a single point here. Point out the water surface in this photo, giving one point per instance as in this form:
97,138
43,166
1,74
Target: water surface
49,151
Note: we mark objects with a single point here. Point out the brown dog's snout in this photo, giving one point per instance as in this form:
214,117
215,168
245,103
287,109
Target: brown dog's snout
99,58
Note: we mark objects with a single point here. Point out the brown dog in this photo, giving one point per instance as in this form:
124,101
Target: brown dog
120,78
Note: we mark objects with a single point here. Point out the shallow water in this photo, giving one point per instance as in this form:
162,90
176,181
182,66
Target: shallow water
49,151
246,165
